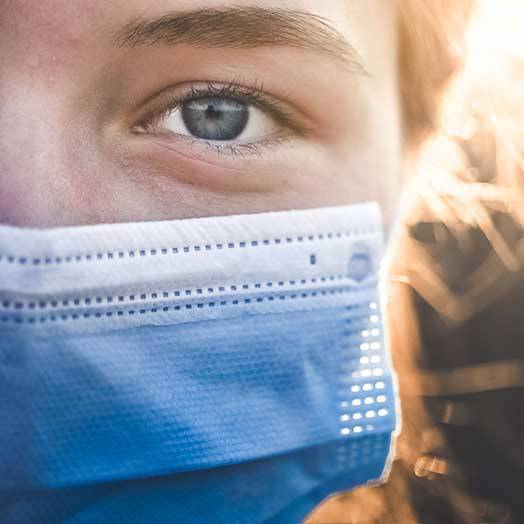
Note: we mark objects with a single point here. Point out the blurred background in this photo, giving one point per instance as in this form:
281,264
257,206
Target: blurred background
455,290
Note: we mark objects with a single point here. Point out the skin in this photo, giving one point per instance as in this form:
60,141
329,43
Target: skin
70,100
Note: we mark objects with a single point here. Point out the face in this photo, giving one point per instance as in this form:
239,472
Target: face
143,110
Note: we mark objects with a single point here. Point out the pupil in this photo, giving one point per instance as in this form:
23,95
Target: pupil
214,118
212,114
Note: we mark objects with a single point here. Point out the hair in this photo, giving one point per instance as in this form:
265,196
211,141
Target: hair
455,301
429,33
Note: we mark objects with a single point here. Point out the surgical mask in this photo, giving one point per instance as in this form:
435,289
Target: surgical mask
228,370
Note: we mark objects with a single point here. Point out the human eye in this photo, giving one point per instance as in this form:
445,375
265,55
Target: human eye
229,118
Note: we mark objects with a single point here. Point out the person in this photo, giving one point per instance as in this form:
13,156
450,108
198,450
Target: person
94,107
132,388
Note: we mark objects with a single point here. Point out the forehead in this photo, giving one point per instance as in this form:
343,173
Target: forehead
112,12
63,29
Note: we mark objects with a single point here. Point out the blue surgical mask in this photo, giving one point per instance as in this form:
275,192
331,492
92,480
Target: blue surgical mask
221,370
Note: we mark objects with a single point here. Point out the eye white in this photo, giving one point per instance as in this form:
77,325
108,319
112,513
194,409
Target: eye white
259,126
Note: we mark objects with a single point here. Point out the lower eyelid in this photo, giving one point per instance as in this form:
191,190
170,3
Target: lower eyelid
235,150
201,150
166,137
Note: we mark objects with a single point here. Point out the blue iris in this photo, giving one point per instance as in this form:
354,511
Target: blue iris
214,118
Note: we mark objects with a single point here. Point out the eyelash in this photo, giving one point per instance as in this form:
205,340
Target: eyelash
252,95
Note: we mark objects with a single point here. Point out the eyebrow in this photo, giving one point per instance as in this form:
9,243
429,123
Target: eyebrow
242,27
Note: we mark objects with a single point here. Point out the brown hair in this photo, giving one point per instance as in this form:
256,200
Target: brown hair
429,34
455,296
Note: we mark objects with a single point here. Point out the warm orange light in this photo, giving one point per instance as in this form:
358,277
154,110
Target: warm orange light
496,35
492,84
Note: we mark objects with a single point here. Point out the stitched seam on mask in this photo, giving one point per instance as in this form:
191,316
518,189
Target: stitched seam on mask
165,251
137,298
350,365
11,318
359,443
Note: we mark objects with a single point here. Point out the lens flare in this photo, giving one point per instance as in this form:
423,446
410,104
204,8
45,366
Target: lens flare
496,34
490,91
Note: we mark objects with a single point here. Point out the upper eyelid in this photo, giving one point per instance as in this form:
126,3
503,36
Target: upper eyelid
252,96
230,89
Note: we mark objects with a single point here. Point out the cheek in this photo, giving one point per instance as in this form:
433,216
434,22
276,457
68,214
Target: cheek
370,155
372,173
378,150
